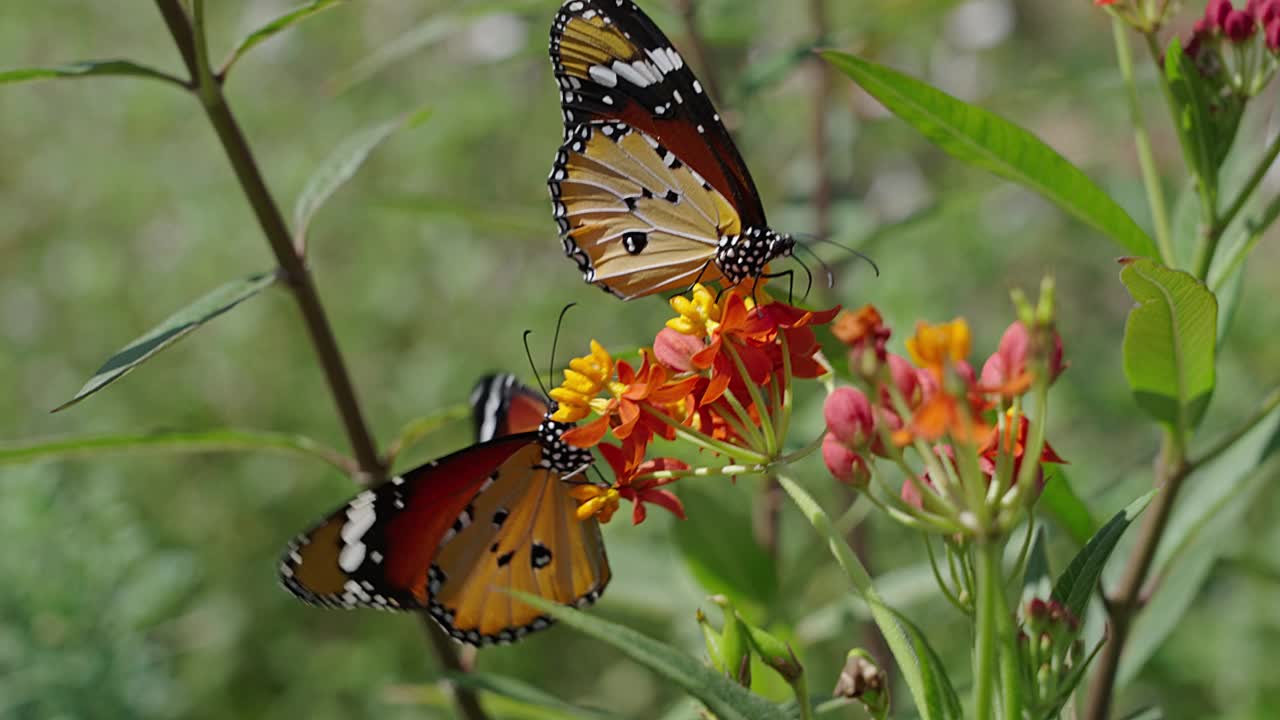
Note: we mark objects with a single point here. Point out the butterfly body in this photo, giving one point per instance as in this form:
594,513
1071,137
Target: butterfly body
648,190
452,536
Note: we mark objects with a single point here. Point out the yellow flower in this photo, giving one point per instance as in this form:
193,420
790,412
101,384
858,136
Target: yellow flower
598,502
699,314
584,379
934,346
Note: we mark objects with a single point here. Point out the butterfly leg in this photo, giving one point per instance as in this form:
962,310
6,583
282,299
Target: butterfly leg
696,280
791,283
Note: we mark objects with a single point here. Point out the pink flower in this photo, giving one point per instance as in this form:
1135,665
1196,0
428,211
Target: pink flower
1005,372
1239,26
849,417
1273,34
1217,11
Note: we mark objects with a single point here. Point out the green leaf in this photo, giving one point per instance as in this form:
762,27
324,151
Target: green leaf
174,442
88,68
724,556
926,679
1169,343
523,693
1201,529
1078,581
341,166
173,329
1060,501
275,27
725,699
983,139
1192,106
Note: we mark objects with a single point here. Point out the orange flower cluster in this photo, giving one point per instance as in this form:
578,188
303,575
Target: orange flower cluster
716,375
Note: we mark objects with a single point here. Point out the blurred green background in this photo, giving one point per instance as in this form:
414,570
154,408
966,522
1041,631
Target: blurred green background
145,586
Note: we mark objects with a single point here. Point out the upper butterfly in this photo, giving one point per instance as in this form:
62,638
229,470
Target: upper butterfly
648,189
452,536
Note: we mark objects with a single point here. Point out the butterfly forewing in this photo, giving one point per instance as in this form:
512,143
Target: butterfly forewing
375,550
613,63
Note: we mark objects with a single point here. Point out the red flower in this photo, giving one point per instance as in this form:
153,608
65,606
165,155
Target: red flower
626,468
1273,32
1217,11
1239,26
1006,443
849,417
1006,373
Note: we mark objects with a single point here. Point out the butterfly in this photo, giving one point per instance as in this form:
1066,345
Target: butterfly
450,536
648,189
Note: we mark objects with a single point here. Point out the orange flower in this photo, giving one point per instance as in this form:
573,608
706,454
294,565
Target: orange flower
937,346
628,467
622,412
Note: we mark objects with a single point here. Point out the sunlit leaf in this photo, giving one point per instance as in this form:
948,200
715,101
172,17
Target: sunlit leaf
341,166
724,698
981,138
88,68
1060,502
1169,343
274,27
206,441
173,329
1078,581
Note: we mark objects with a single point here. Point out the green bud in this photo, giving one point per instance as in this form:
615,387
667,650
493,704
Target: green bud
712,639
735,644
1046,310
775,653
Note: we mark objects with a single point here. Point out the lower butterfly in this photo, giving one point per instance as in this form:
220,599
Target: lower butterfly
453,535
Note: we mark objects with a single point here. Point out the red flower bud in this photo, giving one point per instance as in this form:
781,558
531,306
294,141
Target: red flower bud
676,350
1267,12
1273,34
1217,11
849,417
1239,26
844,464
906,380
1037,609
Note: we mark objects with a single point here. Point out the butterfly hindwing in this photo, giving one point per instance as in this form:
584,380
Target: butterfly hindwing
375,550
614,63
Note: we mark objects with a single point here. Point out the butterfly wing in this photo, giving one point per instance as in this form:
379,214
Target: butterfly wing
375,550
636,219
500,405
521,534
613,63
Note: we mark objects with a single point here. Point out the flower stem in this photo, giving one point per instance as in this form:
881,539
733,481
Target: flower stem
1259,172
706,442
190,40
766,424
986,643
1268,406
1256,227
1142,142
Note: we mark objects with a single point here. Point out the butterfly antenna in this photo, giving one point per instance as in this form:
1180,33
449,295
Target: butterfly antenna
555,339
536,374
808,284
845,248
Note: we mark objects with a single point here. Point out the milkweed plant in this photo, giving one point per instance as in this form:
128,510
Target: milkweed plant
920,428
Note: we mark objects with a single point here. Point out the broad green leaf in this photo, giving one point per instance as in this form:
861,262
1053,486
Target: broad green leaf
984,139
1192,111
273,28
1203,524
341,166
1077,582
926,679
173,329
523,693
88,68
725,699
1060,501
724,556
206,441
1169,343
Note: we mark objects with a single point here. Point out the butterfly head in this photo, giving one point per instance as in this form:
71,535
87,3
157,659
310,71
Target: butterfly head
746,254
557,454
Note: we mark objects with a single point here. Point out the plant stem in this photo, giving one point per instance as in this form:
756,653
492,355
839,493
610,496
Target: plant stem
1142,142
821,93
1126,602
191,45
1259,173
990,599
1264,410
1256,227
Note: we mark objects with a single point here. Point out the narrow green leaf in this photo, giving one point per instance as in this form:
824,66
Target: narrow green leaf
523,693
173,329
1169,343
943,694
275,27
929,686
206,441
341,166
1077,582
88,68
1202,527
984,139
725,699
1060,501
724,556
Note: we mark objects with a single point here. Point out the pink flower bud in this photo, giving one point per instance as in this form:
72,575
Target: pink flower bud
849,417
1268,11
676,350
1217,11
1273,34
844,464
1239,26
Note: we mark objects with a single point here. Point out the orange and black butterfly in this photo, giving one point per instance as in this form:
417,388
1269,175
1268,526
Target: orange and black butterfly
648,189
451,536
